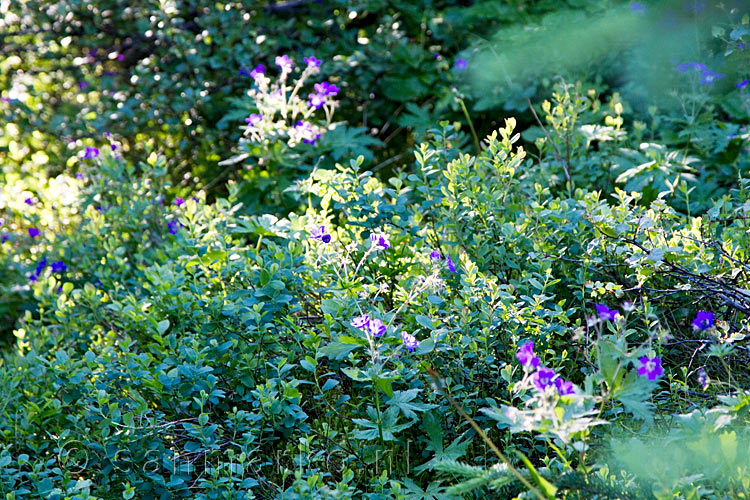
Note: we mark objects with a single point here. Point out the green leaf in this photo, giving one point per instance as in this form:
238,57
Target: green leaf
330,384
404,401
425,322
547,488
384,384
162,326
336,350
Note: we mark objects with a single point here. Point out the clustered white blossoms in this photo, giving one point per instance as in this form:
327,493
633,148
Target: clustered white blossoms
282,111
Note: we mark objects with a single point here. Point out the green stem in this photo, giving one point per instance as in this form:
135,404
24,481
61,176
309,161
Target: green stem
471,125
377,408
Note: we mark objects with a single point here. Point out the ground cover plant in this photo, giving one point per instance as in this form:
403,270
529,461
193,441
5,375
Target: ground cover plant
306,250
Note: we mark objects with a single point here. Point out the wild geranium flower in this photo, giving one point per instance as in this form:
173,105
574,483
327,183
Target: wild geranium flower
307,132
320,233
435,255
59,267
450,264
605,312
254,119
259,70
410,342
708,77
40,267
33,232
650,367
543,378
316,100
361,322
564,387
312,62
376,327
525,355
703,320
461,64
380,240
285,63
744,83
90,153
179,201
682,68
326,89
174,226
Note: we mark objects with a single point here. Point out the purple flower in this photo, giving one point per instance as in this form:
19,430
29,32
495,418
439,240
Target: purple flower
179,201
450,264
285,63
59,267
29,201
435,55
244,71
708,77
40,267
309,136
638,7
525,355
90,153
361,322
435,255
33,277
543,378
380,239
461,64
312,62
254,119
376,327
173,226
320,234
605,312
410,342
259,70
5,237
120,57
316,100
682,68
326,89
113,147
703,320
33,232
564,387
311,141
83,85
650,367
743,83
